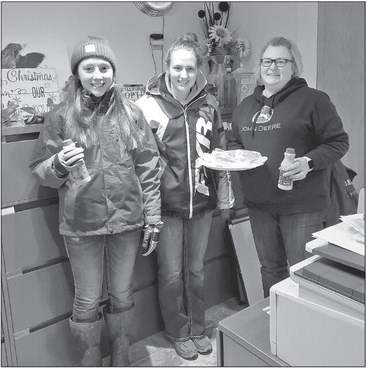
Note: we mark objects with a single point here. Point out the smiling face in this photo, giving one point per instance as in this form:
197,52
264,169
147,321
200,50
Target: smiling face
182,70
96,75
275,78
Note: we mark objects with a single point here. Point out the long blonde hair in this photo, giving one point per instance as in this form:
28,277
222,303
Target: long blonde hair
85,114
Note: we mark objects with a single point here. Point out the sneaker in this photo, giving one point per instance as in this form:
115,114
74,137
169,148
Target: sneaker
203,344
184,348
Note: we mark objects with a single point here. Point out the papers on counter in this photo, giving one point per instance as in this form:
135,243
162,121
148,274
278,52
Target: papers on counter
349,234
356,221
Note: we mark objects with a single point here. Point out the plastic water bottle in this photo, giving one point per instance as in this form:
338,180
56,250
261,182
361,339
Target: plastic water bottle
284,182
80,174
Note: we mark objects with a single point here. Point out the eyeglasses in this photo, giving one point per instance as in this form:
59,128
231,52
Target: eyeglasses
280,63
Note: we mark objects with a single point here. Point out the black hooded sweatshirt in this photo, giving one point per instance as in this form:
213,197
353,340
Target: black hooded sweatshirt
302,118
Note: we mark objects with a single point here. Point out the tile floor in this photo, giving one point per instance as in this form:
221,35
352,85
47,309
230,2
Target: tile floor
157,351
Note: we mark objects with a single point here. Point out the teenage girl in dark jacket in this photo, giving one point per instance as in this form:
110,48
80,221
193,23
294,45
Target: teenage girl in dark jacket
107,213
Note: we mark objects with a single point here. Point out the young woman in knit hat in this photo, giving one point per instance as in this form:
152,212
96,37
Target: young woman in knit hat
106,213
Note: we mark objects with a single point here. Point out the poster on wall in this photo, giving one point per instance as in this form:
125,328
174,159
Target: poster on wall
246,85
27,93
133,92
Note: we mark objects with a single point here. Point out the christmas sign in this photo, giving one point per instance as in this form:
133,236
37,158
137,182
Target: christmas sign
33,91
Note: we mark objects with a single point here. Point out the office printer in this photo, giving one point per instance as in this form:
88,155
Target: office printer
317,315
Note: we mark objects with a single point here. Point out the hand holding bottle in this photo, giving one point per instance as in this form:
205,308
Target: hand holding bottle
70,157
284,181
298,170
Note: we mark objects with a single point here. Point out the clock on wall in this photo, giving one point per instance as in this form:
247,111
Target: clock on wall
154,8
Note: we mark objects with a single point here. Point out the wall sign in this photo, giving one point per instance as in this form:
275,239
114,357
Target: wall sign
247,84
34,88
133,92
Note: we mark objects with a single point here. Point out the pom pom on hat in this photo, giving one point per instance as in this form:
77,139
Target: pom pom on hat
93,46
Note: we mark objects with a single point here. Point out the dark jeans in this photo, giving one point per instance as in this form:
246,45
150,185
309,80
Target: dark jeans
280,241
86,256
181,249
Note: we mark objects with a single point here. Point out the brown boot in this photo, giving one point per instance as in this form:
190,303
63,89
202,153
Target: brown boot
118,325
88,338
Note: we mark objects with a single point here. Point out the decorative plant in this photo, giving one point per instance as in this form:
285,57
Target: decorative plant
13,115
219,39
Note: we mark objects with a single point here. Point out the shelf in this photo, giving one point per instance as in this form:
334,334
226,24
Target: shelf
32,128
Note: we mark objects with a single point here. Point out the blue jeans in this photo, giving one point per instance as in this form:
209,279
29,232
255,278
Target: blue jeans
280,241
181,250
86,256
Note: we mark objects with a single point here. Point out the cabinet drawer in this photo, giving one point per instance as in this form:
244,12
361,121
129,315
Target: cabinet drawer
48,347
18,183
40,295
54,345
31,238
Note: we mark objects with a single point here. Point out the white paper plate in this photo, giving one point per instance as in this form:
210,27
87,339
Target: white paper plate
238,163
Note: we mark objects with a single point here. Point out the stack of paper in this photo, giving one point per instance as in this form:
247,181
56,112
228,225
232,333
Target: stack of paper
349,234
356,221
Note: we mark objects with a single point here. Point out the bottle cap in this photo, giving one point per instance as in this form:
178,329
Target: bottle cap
290,150
67,141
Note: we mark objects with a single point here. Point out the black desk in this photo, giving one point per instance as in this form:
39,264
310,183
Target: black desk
243,339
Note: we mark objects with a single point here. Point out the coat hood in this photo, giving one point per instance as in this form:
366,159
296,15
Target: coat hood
293,85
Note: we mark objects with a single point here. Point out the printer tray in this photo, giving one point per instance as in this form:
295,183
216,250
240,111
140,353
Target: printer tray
340,255
336,277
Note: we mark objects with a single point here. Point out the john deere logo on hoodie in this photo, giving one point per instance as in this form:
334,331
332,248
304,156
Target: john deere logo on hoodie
263,116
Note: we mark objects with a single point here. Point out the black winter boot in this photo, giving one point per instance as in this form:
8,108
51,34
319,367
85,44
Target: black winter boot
88,338
118,325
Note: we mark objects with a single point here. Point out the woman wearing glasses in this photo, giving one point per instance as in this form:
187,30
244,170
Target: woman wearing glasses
284,112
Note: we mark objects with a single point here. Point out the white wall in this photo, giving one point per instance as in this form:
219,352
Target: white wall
54,27
341,74
307,17
260,21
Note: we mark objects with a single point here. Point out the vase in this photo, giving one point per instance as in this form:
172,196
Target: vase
221,81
